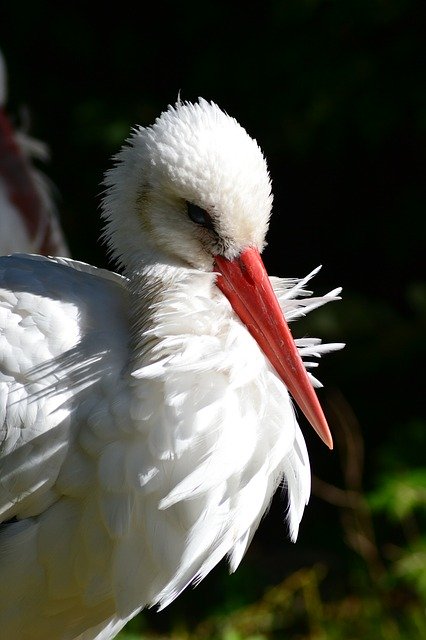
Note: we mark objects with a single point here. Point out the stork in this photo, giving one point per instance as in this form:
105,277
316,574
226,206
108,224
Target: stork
28,217
146,418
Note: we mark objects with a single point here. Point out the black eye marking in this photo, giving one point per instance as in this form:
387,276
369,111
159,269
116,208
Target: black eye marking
199,216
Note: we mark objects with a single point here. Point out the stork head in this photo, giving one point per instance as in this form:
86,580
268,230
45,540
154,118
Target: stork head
194,190
192,186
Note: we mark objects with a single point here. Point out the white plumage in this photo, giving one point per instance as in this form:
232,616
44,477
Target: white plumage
144,431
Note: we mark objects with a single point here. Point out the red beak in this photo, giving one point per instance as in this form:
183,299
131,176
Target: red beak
245,283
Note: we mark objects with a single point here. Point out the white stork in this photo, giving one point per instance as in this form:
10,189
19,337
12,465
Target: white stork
145,418
28,218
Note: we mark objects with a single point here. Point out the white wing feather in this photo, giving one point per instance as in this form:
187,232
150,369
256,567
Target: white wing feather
53,324
63,334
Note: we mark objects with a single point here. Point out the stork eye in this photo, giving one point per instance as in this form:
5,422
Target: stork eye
199,216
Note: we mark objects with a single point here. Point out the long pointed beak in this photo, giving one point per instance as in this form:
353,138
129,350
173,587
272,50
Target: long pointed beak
245,283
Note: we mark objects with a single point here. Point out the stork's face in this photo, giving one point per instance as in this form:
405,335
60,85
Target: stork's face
200,185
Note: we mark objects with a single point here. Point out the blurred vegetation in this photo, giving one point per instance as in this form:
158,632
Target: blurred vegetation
335,93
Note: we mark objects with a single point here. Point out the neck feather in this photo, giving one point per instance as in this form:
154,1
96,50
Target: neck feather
165,300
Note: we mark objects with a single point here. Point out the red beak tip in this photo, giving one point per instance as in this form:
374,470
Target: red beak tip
327,438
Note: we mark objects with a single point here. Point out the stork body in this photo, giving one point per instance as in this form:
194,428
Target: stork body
144,430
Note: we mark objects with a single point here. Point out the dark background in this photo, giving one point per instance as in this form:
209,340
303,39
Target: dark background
335,94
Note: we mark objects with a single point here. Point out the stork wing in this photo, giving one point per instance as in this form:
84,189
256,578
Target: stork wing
63,327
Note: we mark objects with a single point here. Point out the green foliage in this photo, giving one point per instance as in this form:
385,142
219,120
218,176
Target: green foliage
400,495
411,566
295,609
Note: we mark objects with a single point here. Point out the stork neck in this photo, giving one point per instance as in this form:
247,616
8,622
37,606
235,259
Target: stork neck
155,293
151,280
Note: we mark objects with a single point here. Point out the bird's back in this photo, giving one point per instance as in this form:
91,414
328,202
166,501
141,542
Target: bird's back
63,344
